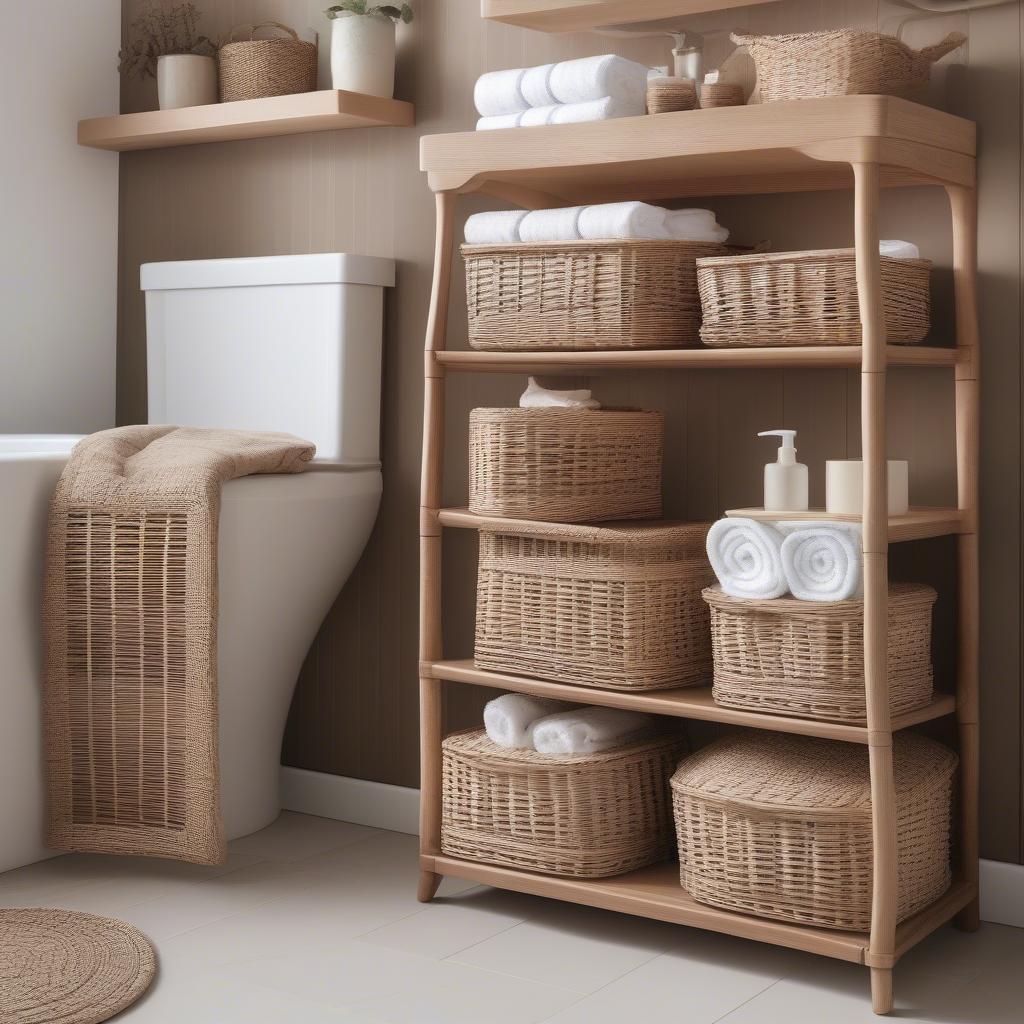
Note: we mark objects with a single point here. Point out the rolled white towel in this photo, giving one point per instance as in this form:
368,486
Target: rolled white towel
559,225
823,561
497,122
536,116
535,86
623,220
510,718
604,109
898,249
536,397
591,78
495,227
590,730
747,558
500,92
695,226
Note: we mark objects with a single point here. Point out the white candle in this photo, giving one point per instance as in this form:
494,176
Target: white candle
844,487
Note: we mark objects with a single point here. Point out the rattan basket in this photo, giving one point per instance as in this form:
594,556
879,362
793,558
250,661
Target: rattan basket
565,465
806,298
584,295
840,63
583,815
780,826
616,607
806,658
253,69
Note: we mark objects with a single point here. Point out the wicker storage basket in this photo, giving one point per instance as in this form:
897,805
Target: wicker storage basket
806,658
584,295
780,826
255,68
616,607
584,815
840,63
806,298
565,465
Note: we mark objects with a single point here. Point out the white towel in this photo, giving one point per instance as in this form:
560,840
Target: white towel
500,92
623,220
535,86
590,730
604,109
559,225
510,718
591,78
823,561
497,122
536,397
746,556
496,227
898,250
695,226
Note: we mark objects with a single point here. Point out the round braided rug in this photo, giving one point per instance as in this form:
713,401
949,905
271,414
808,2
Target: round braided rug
64,967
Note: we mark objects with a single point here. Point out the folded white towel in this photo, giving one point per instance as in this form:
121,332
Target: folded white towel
536,397
536,116
498,121
623,220
535,86
495,227
604,109
695,226
591,78
898,250
510,718
500,92
590,730
559,225
746,556
823,561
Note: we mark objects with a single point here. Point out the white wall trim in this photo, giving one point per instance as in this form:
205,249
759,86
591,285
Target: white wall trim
1002,893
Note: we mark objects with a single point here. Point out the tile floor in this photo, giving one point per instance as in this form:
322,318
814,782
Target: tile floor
315,921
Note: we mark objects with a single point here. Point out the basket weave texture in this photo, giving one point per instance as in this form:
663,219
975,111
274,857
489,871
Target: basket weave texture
584,295
780,826
807,658
253,69
582,815
840,63
565,465
807,298
616,607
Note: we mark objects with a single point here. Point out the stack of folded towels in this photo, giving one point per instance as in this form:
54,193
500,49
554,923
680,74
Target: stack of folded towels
517,721
588,89
603,221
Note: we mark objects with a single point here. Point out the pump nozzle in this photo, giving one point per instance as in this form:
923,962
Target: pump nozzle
787,451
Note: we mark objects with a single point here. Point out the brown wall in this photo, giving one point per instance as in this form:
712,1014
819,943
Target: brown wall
355,710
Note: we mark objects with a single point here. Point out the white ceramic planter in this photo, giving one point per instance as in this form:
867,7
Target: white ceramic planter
185,80
363,54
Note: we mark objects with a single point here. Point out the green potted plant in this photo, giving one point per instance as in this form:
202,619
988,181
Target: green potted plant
363,45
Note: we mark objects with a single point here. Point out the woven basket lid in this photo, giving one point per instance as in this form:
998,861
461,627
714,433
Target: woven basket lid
800,256
900,595
778,771
648,533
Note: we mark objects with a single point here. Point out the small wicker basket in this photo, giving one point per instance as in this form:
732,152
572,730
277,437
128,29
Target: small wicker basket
565,465
541,296
582,815
256,68
780,826
840,63
615,607
806,658
806,298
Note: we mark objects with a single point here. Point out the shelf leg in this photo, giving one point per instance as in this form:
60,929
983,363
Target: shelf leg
881,989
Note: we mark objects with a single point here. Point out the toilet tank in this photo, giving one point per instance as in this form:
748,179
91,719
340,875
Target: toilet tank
284,343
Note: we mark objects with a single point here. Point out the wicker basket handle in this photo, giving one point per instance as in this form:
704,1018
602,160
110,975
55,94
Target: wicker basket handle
944,46
253,29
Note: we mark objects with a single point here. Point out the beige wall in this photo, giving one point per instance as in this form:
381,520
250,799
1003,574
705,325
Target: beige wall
355,711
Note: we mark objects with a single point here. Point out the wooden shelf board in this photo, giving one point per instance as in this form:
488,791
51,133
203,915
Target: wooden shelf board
324,110
604,361
790,146
577,16
917,524
686,702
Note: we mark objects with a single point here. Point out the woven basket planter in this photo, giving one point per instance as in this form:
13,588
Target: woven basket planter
584,295
615,607
780,826
256,68
806,298
565,465
840,63
806,658
582,815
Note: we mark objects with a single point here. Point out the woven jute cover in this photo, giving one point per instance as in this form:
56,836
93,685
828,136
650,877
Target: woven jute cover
64,967
780,826
130,618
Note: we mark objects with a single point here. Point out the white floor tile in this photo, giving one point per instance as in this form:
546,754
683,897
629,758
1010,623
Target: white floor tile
299,836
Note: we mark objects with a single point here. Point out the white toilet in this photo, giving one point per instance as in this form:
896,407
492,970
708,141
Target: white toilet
285,343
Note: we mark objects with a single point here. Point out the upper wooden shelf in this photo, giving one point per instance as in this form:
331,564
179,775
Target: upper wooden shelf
322,111
799,145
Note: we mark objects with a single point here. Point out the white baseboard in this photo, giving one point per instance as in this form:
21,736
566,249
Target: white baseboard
397,808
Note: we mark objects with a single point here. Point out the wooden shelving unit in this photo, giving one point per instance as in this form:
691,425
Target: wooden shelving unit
861,142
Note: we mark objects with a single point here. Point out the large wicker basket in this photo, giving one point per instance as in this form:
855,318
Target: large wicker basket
840,63
616,607
253,69
806,298
780,826
565,465
583,815
584,295
806,658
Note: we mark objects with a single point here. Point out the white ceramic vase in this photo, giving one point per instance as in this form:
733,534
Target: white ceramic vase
185,80
363,54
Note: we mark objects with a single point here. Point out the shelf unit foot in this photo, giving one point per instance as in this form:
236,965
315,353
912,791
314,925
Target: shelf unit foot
881,989
969,919
429,883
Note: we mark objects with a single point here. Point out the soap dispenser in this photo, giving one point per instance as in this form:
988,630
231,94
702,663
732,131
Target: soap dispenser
785,481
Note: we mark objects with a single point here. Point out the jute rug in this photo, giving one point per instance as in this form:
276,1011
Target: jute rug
63,967
130,618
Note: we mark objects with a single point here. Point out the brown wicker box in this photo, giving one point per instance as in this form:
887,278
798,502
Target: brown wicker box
806,658
251,69
583,815
616,607
584,295
565,465
780,826
806,298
